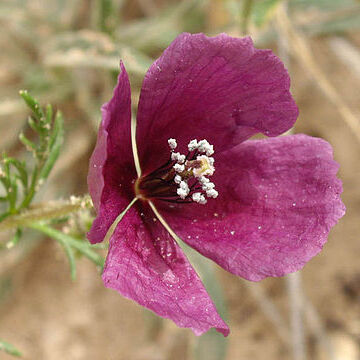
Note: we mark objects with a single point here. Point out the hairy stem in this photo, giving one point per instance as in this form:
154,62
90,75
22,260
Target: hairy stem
47,211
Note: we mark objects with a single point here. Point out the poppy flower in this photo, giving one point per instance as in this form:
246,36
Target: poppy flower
258,208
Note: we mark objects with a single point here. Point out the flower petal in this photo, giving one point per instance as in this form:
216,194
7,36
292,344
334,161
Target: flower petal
111,168
145,264
278,200
219,88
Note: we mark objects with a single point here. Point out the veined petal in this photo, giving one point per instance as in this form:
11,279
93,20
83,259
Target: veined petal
218,88
111,168
278,199
146,265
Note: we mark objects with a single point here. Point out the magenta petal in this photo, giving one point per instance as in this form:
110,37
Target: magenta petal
145,264
218,88
111,168
278,200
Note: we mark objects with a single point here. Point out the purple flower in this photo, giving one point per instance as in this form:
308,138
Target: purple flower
257,208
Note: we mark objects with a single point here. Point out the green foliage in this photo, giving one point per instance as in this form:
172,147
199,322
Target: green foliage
71,245
10,349
19,182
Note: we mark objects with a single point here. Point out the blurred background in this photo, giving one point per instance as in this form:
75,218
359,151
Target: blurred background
67,52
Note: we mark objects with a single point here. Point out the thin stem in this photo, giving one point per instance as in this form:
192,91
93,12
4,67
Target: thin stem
47,211
270,310
302,52
293,280
296,306
316,326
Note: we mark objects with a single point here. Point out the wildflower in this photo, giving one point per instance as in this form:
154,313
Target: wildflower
258,208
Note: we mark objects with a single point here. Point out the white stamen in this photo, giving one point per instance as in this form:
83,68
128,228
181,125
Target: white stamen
183,190
180,159
212,193
182,193
205,147
172,143
184,185
179,168
199,198
193,144
208,186
199,169
203,180
210,150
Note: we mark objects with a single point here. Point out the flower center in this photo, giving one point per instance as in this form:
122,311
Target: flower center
183,178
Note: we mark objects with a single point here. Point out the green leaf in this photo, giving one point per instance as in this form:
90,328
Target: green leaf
21,168
37,127
83,247
55,143
12,194
10,349
32,189
49,114
70,255
15,239
58,129
32,104
28,143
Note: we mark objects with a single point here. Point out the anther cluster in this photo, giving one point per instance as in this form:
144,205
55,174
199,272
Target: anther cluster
197,165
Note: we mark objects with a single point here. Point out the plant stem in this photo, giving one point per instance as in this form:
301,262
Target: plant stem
297,311
62,238
47,211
